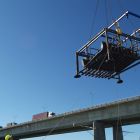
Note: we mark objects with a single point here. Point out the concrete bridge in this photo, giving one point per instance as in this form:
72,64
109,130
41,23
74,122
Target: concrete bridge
115,114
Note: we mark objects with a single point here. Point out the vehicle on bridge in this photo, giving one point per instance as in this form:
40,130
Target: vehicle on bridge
42,116
11,124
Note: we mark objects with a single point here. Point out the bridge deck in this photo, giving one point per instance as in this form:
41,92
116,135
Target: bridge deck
129,113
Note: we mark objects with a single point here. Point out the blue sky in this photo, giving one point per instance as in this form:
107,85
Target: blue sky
38,41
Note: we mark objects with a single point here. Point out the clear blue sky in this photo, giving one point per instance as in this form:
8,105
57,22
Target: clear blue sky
38,41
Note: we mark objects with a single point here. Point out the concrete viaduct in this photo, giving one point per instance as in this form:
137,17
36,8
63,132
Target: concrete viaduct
115,114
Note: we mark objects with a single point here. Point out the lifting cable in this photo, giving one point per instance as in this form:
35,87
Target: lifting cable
53,129
93,24
122,8
94,18
107,11
119,122
110,10
93,21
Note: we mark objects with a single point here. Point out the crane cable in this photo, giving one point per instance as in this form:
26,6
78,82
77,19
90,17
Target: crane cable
107,12
93,18
107,21
119,121
107,5
122,8
93,22
53,129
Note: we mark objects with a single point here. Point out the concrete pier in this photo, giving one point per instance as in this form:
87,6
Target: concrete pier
99,131
117,132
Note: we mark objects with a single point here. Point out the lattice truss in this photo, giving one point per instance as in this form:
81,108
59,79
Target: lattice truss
119,52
